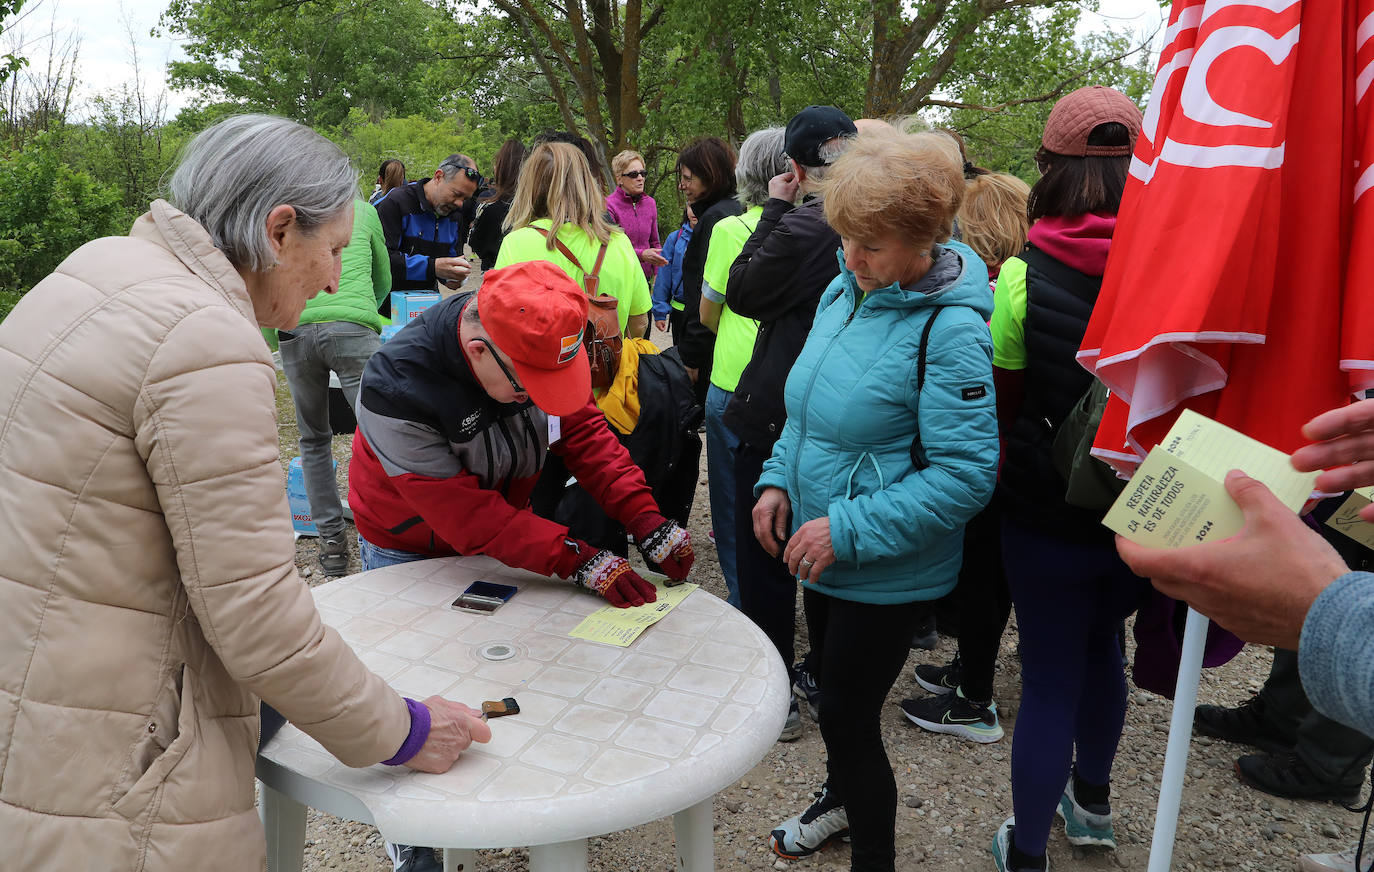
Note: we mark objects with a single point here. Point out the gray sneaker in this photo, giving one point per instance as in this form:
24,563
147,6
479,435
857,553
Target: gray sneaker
334,555
792,727
1342,862
808,832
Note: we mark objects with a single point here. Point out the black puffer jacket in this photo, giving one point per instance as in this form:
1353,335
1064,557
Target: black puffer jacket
778,278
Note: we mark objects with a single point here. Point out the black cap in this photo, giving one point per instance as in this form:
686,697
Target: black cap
813,127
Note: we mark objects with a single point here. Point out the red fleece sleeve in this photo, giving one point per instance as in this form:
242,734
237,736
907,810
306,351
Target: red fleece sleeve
603,466
475,520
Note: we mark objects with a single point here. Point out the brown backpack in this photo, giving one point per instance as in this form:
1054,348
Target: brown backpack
602,336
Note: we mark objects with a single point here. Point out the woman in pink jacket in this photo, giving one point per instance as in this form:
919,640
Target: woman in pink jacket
635,211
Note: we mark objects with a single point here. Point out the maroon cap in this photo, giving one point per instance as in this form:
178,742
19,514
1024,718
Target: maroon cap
536,314
1077,113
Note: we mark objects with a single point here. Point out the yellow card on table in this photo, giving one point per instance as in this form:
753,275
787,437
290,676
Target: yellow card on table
1347,518
1177,496
620,627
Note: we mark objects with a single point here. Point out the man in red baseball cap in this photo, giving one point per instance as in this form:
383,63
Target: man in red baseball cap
455,414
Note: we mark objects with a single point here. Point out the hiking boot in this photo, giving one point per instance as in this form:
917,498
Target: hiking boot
824,821
1342,862
792,727
806,689
1246,724
940,679
334,555
1288,776
1001,851
1085,824
413,858
955,715
925,635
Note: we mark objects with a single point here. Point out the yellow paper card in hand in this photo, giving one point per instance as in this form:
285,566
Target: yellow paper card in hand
1347,518
1177,496
620,627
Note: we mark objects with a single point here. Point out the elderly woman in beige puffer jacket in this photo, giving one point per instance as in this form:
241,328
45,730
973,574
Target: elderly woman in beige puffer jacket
148,592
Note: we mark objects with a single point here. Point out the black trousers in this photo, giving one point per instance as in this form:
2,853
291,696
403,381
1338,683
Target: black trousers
858,650
984,602
767,591
1333,751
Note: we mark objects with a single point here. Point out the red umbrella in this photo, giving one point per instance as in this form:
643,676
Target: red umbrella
1239,278
1238,283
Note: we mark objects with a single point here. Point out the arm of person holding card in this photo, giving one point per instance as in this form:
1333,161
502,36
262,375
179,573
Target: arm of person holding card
1278,582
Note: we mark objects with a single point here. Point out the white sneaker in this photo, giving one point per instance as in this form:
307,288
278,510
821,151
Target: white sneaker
808,832
1342,862
1084,827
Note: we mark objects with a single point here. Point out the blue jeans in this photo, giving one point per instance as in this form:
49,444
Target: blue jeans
375,556
720,481
307,357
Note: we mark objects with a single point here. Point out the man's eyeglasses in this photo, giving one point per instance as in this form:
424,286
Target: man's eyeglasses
635,174
510,376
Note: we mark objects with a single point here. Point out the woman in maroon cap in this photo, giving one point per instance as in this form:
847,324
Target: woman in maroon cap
1069,587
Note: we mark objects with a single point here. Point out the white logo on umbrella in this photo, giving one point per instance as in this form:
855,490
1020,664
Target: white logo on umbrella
1196,99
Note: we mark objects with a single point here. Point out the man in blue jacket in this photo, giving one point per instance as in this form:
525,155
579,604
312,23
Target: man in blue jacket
425,226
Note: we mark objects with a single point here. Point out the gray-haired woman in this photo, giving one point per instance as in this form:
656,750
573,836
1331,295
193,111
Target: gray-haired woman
760,158
149,588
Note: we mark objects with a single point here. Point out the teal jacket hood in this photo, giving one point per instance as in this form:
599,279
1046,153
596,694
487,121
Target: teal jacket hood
957,277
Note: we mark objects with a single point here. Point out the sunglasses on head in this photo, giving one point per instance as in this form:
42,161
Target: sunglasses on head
510,376
469,172
635,174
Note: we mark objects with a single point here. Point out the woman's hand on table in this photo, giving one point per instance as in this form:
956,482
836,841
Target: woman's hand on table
452,728
772,514
810,551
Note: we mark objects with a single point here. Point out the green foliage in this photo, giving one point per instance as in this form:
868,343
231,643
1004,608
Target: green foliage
312,60
50,210
420,143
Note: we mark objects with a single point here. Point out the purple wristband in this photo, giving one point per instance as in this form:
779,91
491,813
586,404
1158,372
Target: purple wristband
419,733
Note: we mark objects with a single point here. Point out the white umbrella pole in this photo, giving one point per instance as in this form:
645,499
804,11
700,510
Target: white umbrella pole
1180,735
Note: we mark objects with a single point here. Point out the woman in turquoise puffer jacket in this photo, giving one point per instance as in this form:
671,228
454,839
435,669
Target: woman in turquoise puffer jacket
880,465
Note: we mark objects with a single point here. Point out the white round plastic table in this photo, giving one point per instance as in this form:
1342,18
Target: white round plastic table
607,738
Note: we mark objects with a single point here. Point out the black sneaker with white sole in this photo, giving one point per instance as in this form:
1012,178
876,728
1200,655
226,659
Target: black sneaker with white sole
955,715
414,858
940,679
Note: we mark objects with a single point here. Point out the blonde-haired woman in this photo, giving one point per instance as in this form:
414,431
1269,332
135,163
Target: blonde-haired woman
890,447
557,216
635,211
993,218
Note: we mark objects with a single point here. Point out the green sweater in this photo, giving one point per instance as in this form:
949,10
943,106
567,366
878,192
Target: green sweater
365,279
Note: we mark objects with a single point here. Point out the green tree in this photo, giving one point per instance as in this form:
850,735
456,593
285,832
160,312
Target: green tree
312,60
50,210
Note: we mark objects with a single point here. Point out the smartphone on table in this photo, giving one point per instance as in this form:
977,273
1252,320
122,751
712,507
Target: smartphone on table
484,597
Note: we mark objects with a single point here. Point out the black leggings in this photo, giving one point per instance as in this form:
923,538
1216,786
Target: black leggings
859,649
984,602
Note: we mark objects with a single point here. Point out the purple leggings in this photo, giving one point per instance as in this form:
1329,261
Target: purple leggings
1069,598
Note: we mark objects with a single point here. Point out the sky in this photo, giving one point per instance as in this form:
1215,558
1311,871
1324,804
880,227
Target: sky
103,28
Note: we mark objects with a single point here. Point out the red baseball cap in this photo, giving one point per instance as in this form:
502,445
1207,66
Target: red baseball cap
536,315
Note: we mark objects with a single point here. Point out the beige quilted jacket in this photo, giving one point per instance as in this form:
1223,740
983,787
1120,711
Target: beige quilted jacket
148,593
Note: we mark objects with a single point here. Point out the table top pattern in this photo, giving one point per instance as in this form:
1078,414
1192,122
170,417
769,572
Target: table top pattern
606,737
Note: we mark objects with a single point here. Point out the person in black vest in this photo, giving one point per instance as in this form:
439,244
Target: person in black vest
778,278
706,177
1068,585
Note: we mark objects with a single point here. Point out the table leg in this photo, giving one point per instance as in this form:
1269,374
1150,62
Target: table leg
283,822
459,860
692,827
559,857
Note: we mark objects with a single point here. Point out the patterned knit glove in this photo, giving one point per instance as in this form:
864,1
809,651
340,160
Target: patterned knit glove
664,545
611,576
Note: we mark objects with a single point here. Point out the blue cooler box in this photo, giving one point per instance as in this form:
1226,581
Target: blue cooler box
301,521
407,304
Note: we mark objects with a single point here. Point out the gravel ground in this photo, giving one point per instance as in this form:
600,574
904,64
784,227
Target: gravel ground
952,794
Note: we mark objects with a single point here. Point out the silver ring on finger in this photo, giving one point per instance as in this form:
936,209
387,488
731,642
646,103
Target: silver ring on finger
805,562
